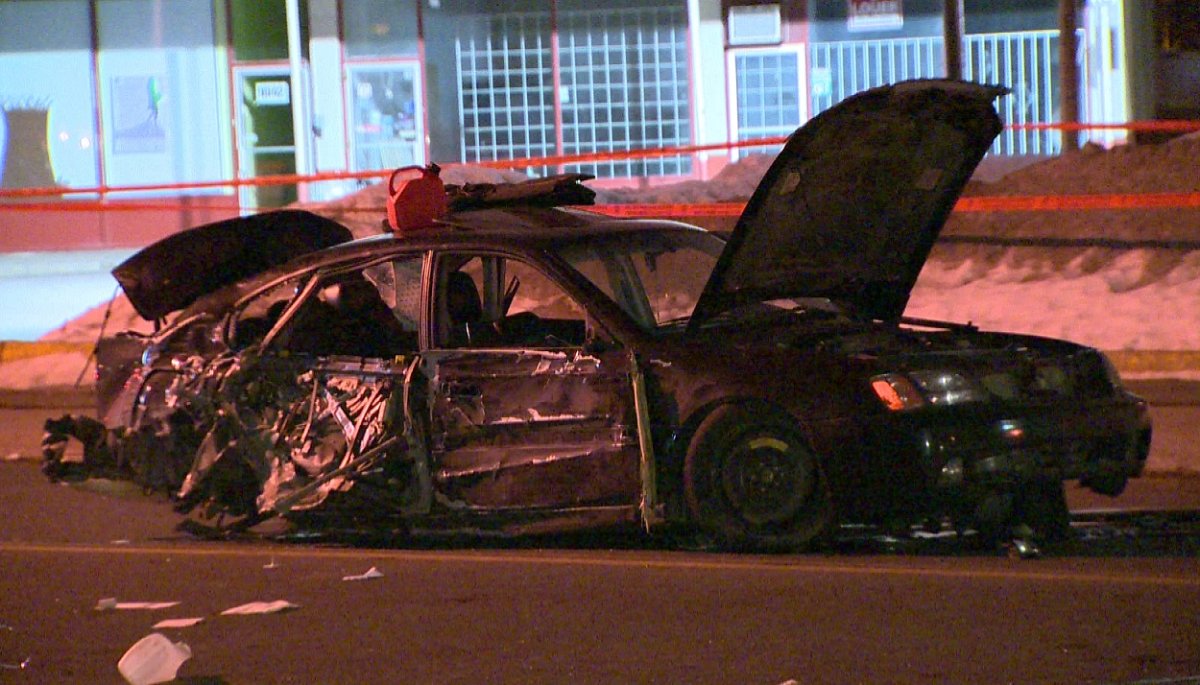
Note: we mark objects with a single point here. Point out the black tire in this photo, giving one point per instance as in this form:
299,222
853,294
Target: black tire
752,483
1111,476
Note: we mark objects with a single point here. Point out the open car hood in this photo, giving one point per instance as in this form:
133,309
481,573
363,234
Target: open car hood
171,273
852,205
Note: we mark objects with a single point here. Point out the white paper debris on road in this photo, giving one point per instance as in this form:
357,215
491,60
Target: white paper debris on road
18,666
111,603
153,659
178,622
366,575
260,608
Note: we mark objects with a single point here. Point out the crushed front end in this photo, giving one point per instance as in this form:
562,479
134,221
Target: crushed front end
982,428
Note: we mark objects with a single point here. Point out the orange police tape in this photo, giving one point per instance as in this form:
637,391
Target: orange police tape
1170,126
995,203
967,204
992,203
17,350
1127,361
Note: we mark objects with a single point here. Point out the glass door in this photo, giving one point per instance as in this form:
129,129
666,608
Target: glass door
767,93
386,129
265,137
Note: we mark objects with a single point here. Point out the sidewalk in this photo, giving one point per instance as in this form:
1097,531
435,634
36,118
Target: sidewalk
78,400
63,284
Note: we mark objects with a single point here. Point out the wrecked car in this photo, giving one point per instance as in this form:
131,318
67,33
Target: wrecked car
524,365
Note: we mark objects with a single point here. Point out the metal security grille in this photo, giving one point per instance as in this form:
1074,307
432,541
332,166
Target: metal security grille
769,95
624,87
1024,61
843,68
506,89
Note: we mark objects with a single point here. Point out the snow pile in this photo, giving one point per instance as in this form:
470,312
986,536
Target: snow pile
60,369
110,317
1139,299
1116,308
734,183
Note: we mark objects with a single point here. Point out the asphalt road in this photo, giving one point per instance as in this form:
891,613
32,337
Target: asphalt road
1120,603
578,612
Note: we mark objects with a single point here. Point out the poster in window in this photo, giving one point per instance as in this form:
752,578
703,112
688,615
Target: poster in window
137,127
874,15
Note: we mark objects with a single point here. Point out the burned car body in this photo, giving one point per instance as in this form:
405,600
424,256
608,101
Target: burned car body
525,367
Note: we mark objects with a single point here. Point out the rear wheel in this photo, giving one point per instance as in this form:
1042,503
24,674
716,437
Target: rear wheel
1110,476
752,483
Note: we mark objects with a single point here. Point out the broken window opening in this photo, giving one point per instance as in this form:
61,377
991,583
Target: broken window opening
365,312
491,301
261,312
655,278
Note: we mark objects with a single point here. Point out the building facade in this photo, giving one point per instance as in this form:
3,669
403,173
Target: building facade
138,95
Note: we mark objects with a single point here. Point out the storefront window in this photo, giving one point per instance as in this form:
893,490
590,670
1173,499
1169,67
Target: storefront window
159,85
48,127
622,83
770,97
385,113
380,28
260,29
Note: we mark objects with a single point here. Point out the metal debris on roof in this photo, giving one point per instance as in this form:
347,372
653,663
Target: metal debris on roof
550,191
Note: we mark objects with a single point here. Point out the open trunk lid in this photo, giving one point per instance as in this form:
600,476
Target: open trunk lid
171,273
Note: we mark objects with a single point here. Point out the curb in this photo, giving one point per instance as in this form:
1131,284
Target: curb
55,397
16,350
1155,361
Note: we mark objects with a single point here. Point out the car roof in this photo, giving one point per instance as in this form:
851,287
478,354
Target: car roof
522,228
523,225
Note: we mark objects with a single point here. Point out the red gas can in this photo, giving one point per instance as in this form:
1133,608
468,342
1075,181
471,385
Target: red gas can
417,201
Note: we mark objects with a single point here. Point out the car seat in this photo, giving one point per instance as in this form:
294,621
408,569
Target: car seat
464,308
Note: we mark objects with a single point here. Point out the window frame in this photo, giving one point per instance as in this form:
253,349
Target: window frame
313,279
490,295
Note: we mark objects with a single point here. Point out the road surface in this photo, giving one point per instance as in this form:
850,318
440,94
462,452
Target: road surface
1119,603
